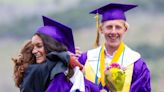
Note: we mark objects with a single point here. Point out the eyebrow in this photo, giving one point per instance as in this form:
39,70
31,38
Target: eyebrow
38,43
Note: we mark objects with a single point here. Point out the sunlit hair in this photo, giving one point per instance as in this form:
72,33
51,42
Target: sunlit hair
24,58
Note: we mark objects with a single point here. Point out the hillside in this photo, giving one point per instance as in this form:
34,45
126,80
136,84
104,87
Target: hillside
20,19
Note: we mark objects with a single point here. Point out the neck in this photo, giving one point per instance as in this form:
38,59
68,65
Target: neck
110,49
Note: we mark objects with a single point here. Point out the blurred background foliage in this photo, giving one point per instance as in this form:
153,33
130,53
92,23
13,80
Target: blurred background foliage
21,18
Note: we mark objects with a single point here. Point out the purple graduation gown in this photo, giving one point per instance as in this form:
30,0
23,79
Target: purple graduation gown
140,78
60,84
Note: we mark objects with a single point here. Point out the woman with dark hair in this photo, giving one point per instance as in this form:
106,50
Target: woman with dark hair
54,69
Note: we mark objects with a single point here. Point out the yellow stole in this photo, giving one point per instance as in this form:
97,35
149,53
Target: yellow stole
90,74
114,60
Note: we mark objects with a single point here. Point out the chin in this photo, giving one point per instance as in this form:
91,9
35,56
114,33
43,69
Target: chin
40,61
114,45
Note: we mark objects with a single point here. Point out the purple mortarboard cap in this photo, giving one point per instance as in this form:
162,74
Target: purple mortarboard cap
113,11
59,32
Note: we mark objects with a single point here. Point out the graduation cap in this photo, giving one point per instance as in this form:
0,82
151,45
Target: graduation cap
113,11
59,32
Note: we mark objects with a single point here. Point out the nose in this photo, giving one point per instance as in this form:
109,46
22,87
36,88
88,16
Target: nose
113,30
34,51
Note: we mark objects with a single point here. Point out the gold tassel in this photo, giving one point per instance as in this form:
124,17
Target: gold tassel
96,44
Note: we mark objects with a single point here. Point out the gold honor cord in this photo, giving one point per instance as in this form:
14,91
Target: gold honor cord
114,60
97,33
97,21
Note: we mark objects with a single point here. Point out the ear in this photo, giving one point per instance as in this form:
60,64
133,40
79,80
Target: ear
100,29
126,29
126,26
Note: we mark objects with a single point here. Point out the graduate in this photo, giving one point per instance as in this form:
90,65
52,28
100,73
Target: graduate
45,64
114,66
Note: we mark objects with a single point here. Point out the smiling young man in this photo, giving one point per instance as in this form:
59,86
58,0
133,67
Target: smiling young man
113,32
113,27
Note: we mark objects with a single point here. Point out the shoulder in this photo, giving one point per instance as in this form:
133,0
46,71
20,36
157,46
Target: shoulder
89,55
31,69
27,82
130,56
34,70
132,53
93,54
140,65
93,51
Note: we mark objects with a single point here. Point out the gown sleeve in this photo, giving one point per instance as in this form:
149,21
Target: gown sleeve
60,84
141,77
82,59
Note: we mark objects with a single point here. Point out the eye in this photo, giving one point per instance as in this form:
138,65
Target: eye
109,27
39,45
118,27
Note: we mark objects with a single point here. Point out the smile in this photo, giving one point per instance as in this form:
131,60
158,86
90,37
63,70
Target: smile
113,37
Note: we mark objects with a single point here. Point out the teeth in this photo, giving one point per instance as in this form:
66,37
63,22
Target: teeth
112,37
37,56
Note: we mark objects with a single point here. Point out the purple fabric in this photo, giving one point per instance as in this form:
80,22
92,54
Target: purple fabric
141,75
113,14
60,84
52,32
82,59
59,32
113,11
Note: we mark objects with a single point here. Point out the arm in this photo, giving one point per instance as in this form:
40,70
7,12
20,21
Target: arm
36,77
141,77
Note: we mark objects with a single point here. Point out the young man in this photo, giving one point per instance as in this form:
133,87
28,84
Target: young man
113,27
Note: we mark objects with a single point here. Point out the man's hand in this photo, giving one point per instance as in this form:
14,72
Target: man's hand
77,52
74,61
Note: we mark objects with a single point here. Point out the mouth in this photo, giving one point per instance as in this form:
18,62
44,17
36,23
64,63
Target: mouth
37,56
113,37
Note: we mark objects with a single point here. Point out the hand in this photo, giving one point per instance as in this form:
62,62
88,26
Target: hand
77,52
74,62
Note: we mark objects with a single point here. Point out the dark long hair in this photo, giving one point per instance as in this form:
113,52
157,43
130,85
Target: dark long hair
51,45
